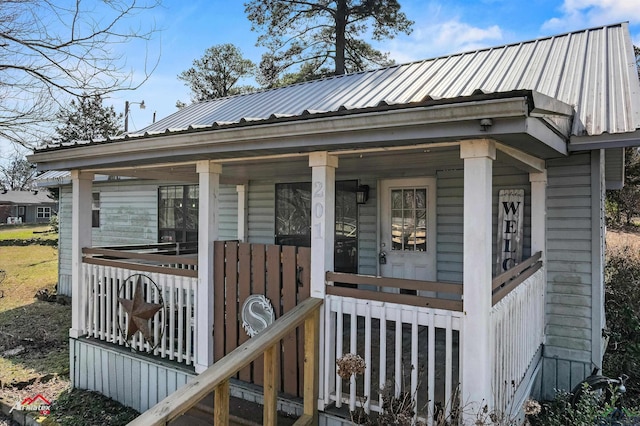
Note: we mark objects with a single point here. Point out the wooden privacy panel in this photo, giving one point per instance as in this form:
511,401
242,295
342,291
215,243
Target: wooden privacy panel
282,274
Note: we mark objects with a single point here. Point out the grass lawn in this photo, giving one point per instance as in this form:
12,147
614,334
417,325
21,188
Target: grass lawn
34,342
27,232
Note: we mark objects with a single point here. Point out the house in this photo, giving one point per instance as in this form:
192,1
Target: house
447,214
26,206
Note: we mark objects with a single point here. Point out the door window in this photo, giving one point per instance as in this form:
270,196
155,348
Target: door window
409,219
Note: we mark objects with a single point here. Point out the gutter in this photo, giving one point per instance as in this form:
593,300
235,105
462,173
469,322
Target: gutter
603,141
378,126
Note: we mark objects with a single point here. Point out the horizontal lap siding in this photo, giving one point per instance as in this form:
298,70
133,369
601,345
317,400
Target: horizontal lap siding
367,231
64,241
450,220
261,205
228,205
129,215
569,273
449,224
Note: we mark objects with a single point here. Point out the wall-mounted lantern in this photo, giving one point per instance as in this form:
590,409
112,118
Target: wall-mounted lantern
362,194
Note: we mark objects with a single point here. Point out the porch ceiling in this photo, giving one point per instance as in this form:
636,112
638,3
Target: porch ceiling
415,160
514,121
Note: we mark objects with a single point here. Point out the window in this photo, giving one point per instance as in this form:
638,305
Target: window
95,210
43,212
409,219
293,220
178,213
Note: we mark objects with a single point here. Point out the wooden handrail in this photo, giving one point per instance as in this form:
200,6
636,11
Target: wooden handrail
401,283
515,271
402,299
192,273
162,258
504,283
216,378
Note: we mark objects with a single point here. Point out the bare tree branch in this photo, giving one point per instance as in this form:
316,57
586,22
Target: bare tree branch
52,51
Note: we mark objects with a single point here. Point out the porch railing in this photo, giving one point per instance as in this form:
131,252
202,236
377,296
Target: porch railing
216,378
409,343
517,319
166,280
174,259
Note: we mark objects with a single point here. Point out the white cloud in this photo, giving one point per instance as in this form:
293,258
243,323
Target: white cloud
439,31
579,14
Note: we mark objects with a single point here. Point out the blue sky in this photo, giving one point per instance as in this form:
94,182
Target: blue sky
441,27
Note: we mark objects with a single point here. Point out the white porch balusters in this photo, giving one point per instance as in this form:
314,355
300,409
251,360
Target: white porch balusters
208,219
478,156
80,237
323,221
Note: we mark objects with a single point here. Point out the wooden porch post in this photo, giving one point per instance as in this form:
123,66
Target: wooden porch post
80,237
478,156
538,212
323,218
209,179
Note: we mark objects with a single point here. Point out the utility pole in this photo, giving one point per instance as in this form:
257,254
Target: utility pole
127,104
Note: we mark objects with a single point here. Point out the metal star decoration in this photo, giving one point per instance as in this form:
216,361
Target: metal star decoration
139,312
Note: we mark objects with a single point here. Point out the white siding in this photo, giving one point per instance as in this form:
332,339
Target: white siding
569,273
129,215
450,216
261,206
367,231
64,241
228,199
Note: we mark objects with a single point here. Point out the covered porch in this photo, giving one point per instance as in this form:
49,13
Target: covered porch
424,337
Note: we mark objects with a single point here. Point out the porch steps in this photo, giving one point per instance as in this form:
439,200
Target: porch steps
242,413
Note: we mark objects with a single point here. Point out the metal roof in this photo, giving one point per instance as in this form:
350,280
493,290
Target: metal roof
592,70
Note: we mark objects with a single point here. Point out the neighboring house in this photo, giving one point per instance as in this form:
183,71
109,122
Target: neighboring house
415,186
26,206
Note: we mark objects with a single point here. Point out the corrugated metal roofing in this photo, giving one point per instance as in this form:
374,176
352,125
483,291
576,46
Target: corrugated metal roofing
53,175
592,70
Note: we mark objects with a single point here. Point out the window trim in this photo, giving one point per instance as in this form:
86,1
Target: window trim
43,212
181,233
96,206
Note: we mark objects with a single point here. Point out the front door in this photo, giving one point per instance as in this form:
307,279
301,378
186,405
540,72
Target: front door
408,228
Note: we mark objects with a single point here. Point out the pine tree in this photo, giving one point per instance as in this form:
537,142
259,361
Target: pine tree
85,119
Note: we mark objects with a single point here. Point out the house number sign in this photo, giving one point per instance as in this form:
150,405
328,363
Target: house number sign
318,210
510,230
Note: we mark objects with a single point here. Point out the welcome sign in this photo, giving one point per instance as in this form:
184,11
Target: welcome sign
510,229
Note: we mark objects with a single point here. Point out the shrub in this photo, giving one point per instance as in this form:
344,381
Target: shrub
622,306
54,223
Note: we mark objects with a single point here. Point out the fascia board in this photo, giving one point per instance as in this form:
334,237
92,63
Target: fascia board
300,135
546,105
603,141
538,129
